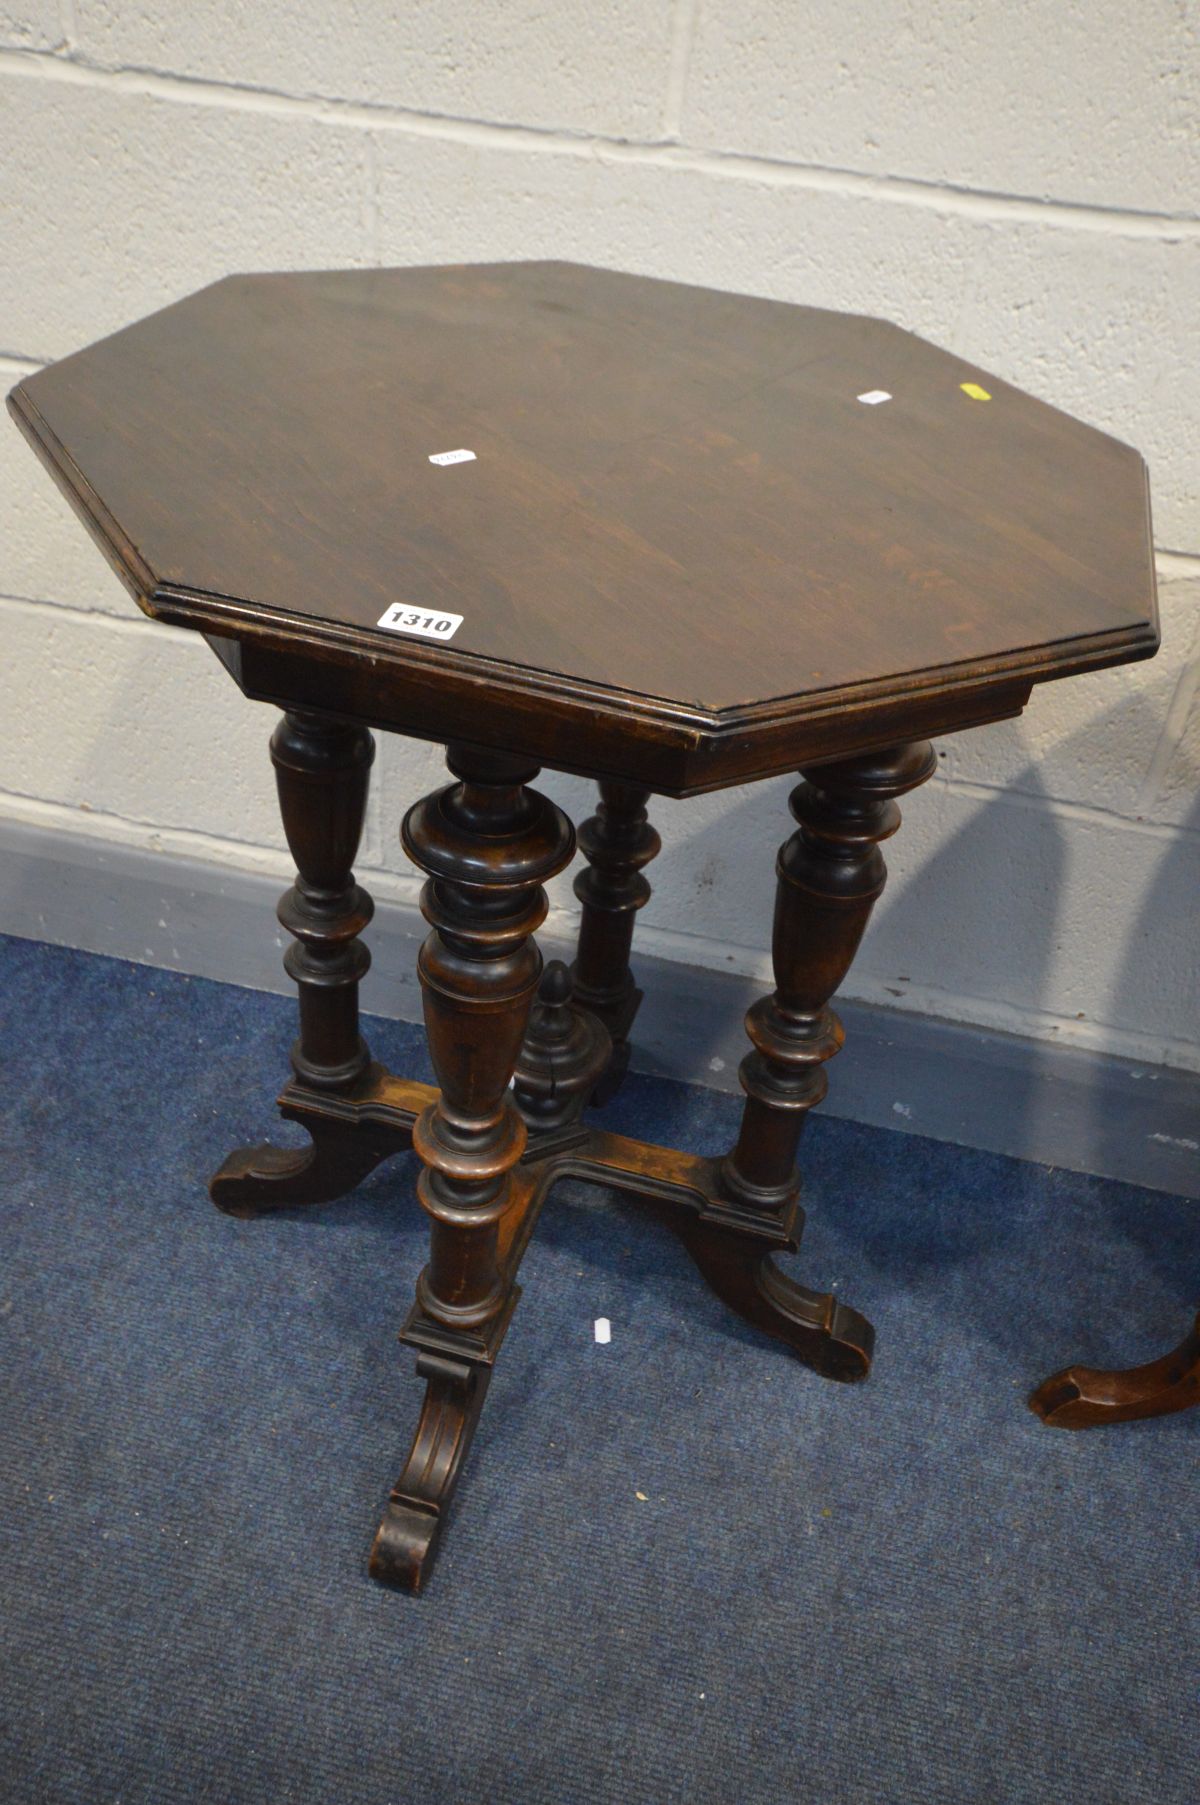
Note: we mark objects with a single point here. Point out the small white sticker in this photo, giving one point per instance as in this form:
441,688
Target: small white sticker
400,618
603,1329
874,396
452,457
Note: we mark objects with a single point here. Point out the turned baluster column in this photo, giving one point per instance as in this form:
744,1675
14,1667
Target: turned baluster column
322,769
830,873
488,844
616,841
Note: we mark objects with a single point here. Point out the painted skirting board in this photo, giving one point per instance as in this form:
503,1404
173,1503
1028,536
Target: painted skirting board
1061,1106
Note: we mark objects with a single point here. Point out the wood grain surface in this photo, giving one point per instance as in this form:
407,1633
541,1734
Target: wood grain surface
678,506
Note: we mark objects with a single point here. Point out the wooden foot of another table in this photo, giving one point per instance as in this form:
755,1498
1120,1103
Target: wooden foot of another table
1084,1397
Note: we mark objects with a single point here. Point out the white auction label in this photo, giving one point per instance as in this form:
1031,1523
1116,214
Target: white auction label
452,457
400,618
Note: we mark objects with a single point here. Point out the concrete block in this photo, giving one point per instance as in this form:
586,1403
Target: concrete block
118,201
31,25
573,65
1002,911
447,201
1076,317
1107,328
1089,103
137,721
1176,796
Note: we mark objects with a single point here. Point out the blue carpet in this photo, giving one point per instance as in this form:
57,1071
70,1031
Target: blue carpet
905,1591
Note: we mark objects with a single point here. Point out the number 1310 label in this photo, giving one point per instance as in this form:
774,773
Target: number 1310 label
400,618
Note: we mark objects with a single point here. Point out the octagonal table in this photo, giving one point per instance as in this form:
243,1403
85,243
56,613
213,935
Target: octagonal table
670,539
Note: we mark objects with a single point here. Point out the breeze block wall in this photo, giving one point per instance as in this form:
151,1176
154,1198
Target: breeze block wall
1018,183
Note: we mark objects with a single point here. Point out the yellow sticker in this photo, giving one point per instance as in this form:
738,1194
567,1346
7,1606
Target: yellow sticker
974,391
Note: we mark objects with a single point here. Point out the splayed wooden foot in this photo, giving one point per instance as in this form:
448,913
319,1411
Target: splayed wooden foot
1084,1397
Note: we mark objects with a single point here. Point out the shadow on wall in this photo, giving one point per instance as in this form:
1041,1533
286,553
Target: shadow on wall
1008,901
1165,937
929,929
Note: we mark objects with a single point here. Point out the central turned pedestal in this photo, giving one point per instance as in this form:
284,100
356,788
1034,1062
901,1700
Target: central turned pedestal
514,1074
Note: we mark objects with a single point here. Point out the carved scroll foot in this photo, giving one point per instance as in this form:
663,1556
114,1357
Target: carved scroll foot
256,1180
1084,1397
830,1337
407,1539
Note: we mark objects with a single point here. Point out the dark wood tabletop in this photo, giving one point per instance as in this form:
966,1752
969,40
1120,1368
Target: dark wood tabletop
681,520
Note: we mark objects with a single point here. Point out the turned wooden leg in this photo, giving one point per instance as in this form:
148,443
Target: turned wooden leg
321,770
616,841
487,844
830,873
1084,1397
